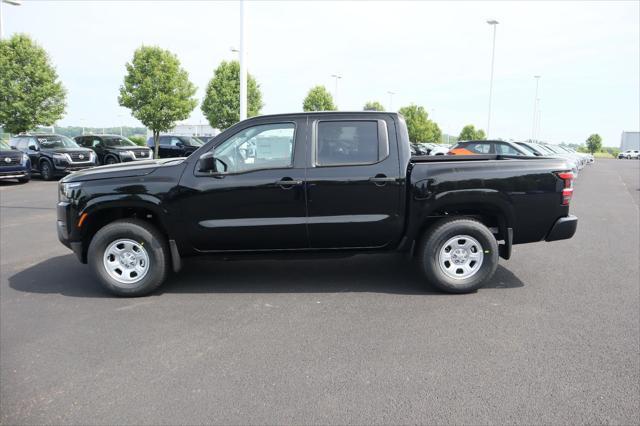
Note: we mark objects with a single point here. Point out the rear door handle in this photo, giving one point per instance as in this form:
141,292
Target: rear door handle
381,180
288,182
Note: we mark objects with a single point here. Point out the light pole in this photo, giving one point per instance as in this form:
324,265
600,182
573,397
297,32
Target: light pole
335,93
535,106
390,93
243,64
11,2
493,23
120,120
536,117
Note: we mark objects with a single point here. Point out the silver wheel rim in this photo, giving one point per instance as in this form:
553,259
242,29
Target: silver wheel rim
460,257
126,261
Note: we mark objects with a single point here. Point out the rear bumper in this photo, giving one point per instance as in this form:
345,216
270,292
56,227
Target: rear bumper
563,229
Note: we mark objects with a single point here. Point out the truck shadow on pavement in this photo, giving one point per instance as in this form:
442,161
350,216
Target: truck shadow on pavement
366,273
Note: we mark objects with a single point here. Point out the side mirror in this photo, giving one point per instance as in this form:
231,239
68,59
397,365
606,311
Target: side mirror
33,148
208,163
179,144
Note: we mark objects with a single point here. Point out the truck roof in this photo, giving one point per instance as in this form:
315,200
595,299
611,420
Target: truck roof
329,113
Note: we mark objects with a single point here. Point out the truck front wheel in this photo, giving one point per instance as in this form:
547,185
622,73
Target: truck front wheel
129,257
459,255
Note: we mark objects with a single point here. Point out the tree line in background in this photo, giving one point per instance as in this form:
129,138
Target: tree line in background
159,93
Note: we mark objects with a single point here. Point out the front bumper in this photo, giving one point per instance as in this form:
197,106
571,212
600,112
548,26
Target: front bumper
14,174
563,229
64,231
68,168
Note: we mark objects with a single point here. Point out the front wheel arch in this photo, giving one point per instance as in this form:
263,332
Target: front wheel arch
100,216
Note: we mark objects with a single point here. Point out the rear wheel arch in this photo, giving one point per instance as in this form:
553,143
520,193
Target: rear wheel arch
490,215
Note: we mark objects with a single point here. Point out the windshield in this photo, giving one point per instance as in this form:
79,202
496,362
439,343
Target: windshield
526,149
192,140
554,149
114,141
543,149
4,146
56,141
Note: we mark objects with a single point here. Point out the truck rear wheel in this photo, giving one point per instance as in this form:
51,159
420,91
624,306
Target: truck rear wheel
129,257
459,255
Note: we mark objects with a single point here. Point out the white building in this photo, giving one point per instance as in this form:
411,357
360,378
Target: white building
190,130
630,140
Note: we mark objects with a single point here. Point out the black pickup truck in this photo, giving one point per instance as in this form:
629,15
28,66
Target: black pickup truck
326,183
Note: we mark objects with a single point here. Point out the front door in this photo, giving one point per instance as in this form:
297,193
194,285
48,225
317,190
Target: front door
353,184
259,202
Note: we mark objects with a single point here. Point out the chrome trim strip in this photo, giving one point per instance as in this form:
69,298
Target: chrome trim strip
279,221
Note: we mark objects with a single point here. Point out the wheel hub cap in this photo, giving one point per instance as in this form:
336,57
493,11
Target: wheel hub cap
460,257
126,261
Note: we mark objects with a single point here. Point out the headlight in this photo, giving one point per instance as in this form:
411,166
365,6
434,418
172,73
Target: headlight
61,158
24,160
68,191
126,154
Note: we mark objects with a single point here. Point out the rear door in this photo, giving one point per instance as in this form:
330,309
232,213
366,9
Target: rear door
353,183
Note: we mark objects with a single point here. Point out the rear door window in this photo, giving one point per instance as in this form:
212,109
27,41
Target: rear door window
505,149
479,147
348,142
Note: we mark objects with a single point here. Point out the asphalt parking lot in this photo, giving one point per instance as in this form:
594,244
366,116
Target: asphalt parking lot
555,337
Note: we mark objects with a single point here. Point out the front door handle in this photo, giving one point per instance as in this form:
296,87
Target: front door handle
287,182
381,180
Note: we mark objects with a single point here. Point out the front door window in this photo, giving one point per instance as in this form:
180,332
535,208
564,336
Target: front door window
268,146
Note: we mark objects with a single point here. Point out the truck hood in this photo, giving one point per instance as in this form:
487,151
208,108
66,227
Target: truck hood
121,170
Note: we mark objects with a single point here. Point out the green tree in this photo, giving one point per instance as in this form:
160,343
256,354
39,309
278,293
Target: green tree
373,106
420,128
318,99
221,104
469,133
30,93
157,90
594,143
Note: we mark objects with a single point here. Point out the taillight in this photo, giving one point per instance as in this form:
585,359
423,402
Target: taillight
567,191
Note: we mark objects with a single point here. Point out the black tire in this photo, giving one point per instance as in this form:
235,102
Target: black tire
110,160
434,241
149,237
46,170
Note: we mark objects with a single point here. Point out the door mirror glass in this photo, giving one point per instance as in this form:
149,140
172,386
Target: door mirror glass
208,163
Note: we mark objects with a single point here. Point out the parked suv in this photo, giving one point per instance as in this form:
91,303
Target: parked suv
14,164
111,149
53,155
176,145
629,154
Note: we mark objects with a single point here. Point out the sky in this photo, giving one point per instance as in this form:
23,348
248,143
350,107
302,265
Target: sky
434,54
